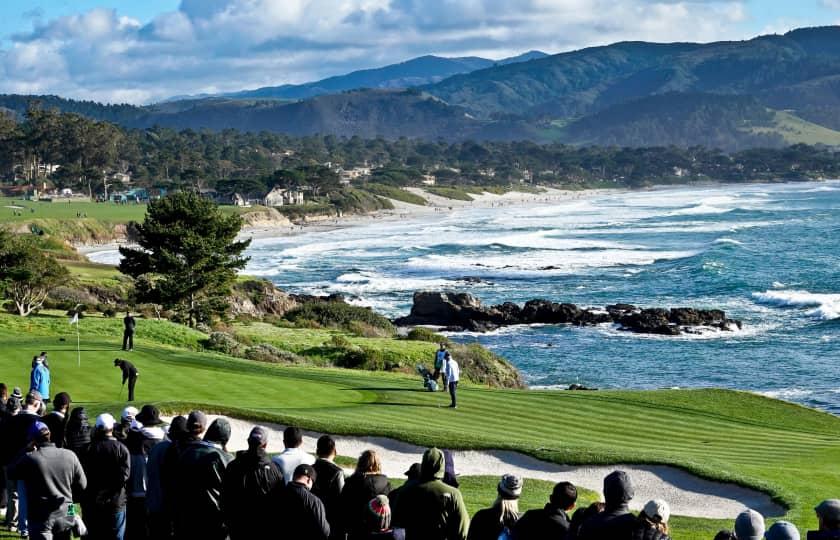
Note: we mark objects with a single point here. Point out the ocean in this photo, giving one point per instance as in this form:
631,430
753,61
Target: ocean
767,254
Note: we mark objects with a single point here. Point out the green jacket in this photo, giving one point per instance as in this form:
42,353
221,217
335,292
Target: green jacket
432,510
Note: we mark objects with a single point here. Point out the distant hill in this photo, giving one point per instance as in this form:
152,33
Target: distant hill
768,91
415,72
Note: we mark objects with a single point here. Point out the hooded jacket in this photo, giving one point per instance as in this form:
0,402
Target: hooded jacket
548,522
328,487
432,510
615,522
251,494
77,432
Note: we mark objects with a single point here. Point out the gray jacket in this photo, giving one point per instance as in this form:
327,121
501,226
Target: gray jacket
51,476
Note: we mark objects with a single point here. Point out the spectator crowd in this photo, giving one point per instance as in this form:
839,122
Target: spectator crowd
137,478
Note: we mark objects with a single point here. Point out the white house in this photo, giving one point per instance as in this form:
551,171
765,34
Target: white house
279,197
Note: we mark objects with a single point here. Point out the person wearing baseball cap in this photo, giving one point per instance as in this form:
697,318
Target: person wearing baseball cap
251,489
749,525
307,517
503,515
199,475
50,475
107,465
828,515
553,521
652,523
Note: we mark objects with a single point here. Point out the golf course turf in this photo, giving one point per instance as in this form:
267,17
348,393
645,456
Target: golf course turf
783,449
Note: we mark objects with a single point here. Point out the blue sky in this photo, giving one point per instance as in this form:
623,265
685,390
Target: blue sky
140,51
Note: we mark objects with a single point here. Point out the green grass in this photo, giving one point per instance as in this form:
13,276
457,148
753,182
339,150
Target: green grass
788,451
393,192
106,212
796,130
456,194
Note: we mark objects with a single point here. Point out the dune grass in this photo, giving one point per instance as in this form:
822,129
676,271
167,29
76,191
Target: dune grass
784,449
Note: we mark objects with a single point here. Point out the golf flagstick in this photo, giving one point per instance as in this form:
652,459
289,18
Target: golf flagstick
75,320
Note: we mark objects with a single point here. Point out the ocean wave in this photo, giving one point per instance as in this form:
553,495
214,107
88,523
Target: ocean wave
825,306
788,394
108,256
730,241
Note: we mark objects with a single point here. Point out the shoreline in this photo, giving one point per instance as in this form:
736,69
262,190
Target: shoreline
401,211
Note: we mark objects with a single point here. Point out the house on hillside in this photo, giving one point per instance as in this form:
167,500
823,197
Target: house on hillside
428,180
346,177
280,197
238,200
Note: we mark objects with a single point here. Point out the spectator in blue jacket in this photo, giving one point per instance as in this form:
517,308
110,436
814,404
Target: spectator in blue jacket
39,379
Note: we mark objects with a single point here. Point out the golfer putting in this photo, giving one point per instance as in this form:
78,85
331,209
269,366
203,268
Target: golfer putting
129,373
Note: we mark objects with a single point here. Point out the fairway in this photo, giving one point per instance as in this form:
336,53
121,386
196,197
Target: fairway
784,449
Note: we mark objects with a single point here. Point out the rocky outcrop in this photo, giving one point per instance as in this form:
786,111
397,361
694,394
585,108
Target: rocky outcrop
258,298
462,311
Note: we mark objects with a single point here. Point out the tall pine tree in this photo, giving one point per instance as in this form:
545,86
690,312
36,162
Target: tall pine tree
187,258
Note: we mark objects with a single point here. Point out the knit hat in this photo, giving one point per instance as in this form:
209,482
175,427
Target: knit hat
105,421
782,530
177,429
829,510
618,488
510,487
749,525
218,432
129,413
149,416
658,510
379,512
196,422
258,436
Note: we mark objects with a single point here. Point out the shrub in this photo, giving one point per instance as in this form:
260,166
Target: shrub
223,343
64,297
265,352
362,329
483,366
369,359
339,315
109,312
425,334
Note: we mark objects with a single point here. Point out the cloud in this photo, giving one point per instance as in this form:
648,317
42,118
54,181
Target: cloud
227,45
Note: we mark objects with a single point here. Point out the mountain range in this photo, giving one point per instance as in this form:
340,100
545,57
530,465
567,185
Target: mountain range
772,90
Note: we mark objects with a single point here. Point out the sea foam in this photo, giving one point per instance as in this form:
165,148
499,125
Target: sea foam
825,306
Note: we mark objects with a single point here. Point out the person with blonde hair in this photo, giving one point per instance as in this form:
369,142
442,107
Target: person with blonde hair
498,520
364,485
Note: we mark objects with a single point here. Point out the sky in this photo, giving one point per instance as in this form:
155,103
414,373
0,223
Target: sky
142,51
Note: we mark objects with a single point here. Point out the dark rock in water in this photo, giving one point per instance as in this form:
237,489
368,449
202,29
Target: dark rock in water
465,312
472,279
580,387
311,298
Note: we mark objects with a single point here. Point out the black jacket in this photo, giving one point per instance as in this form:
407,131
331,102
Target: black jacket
198,497
129,323
328,487
128,370
549,522
612,524
358,491
823,535
107,467
486,525
643,531
251,494
16,436
57,423
304,514
77,432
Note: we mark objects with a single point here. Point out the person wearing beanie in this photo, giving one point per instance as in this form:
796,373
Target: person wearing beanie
490,523
160,479
828,516
552,521
749,525
330,482
199,478
363,485
51,476
432,510
57,420
107,465
252,489
615,521
379,521
782,530
306,515
652,523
